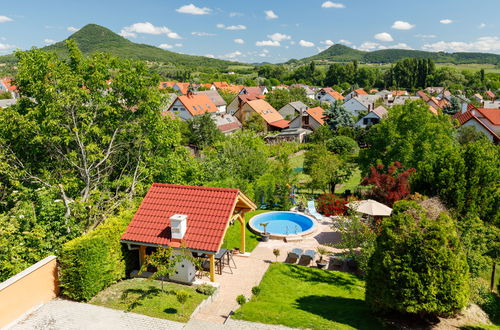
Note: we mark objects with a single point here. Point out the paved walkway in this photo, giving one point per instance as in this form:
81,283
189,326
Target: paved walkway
250,271
68,315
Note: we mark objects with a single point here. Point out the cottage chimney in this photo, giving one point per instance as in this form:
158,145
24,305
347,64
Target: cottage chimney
178,224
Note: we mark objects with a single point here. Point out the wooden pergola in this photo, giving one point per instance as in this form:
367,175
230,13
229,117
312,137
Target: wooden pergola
135,233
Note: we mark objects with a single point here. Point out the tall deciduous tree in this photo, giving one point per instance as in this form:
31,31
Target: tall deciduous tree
90,128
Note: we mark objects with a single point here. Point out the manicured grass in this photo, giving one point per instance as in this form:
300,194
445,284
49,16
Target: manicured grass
352,183
233,237
304,297
146,297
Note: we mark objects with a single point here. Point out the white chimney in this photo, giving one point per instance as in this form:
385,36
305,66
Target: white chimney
178,224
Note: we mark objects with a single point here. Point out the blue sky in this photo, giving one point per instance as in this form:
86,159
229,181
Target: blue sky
258,31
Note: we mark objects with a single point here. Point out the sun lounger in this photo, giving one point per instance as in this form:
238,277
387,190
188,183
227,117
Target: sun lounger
311,208
294,255
307,257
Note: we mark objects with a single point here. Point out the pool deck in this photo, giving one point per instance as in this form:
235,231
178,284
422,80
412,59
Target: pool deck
251,269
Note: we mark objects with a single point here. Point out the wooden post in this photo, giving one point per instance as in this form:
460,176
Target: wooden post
242,222
212,267
142,255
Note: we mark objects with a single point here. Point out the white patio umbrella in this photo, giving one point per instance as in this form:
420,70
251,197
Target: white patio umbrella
371,207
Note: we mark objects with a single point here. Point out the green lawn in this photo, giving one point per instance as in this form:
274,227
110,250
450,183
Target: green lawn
304,297
232,239
352,183
146,297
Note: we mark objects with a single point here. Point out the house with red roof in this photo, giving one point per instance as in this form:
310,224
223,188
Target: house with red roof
7,86
355,93
182,88
189,219
240,100
166,84
311,118
259,90
271,116
329,95
484,120
219,85
188,106
491,95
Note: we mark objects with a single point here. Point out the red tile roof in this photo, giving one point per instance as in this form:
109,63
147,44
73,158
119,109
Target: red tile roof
469,115
183,87
493,115
208,211
197,104
336,95
317,113
166,84
8,85
423,96
229,127
280,123
490,94
220,84
360,91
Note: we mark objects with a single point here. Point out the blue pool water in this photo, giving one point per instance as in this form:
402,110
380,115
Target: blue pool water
282,223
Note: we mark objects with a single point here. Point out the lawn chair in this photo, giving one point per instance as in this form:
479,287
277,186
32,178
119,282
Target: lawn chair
294,255
311,209
307,257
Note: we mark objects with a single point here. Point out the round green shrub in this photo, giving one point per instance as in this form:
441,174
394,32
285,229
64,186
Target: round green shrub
342,145
418,265
256,290
206,289
241,300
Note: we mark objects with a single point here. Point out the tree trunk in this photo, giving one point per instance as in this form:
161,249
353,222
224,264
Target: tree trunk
493,272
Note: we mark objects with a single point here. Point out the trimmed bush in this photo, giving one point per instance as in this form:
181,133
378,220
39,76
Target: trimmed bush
206,289
256,290
330,204
94,261
241,300
418,265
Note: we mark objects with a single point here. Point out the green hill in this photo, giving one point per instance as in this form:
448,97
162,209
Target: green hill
341,53
95,38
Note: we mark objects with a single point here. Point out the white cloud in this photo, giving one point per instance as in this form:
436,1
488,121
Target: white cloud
147,28
329,4
426,36
305,43
327,43
165,46
402,25
231,55
178,45
48,41
482,44
446,21
481,26
400,45
6,46
193,10
270,14
235,14
384,37
210,55
203,34
368,45
345,42
264,43
4,19
279,36
72,29
231,27
239,41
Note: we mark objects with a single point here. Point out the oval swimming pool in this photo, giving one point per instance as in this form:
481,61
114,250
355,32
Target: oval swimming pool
281,223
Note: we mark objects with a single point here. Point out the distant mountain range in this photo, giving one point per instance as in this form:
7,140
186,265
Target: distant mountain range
341,53
95,38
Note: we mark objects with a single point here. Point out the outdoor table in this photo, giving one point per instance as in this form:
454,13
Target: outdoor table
219,256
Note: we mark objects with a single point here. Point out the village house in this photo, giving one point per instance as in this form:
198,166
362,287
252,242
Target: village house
309,92
215,97
491,96
484,120
329,95
227,123
191,220
181,88
385,95
373,117
355,93
311,119
259,90
434,90
292,110
361,103
491,104
438,103
271,116
241,99
188,106
478,97
216,85
6,86
402,100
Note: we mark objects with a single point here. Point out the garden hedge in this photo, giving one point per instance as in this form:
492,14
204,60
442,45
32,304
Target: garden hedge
95,260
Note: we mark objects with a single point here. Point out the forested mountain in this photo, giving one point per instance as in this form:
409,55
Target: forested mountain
341,53
95,38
